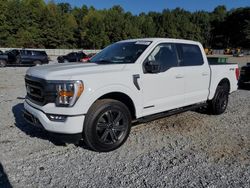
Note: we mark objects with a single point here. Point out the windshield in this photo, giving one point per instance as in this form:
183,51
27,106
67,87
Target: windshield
122,52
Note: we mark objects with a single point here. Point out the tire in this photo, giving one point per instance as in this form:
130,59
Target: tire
218,104
3,63
37,62
107,125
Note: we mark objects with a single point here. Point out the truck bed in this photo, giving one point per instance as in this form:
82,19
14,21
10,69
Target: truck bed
221,71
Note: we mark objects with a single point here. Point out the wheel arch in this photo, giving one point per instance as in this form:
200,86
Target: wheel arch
122,97
214,87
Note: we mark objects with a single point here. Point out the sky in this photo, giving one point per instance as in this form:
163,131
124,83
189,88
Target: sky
138,6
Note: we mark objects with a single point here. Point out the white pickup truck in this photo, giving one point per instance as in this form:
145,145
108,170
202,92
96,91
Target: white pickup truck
131,81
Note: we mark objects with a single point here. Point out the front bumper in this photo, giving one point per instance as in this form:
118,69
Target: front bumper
72,125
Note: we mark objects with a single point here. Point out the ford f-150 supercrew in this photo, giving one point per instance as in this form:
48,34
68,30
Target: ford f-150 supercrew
129,82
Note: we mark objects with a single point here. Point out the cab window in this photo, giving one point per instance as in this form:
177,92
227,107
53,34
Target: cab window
165,55
189,55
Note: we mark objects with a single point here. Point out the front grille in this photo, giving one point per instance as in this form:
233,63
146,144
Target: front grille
34,90
39,91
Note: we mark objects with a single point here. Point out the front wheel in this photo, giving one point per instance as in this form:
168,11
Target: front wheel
107,125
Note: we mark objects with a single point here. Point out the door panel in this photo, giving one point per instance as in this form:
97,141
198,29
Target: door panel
196,72
164,90
197,80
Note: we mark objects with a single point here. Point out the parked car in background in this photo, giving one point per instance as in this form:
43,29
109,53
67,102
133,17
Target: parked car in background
23,57
1,52
244,75
3,60
88,57
71,57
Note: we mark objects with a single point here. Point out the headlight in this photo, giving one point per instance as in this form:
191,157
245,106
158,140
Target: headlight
68,93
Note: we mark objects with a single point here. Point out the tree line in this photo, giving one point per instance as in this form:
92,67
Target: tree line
37,24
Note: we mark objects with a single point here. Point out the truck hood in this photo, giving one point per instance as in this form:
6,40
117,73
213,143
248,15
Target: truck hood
67,71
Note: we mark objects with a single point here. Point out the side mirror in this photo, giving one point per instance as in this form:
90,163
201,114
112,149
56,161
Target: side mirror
152,67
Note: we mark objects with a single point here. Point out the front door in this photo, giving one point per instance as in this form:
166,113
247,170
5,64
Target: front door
163,90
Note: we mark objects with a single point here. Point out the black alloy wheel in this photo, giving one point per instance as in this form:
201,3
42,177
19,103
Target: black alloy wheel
107,125
222,100
111,126
218,104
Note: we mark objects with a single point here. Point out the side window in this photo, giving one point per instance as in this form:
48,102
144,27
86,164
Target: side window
37,53
23,52
34,53
190,55
27,52
165,55
71,55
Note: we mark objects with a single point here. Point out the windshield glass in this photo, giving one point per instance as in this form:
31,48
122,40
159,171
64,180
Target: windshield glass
123,52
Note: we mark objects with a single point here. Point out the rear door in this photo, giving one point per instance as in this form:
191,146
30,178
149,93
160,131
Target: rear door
26,56
164,90
196,73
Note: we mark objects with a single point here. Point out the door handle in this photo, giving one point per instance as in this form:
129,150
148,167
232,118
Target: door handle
204,74
179,76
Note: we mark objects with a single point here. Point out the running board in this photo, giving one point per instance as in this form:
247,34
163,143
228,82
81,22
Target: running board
168,113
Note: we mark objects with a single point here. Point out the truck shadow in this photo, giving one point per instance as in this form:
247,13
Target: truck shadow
4,180
28,129
33,131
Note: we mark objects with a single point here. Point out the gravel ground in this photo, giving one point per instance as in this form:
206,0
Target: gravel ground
190,149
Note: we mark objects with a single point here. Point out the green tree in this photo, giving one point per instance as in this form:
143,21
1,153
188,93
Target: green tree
237,27
95,36
4,27
36,23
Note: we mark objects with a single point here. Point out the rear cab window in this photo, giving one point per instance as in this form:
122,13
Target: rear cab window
189,55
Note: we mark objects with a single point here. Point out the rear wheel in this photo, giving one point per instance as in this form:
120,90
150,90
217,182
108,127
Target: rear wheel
3,63
107,125
218,104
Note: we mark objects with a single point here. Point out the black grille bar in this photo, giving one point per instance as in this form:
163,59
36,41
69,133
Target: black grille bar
39,91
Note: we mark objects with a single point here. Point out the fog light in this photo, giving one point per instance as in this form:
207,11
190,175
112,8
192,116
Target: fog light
53,117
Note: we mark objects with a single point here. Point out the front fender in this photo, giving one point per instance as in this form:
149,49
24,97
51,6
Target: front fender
92,95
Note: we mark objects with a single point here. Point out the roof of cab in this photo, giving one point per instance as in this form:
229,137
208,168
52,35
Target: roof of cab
162,40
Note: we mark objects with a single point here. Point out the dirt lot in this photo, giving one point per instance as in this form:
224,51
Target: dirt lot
189,149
